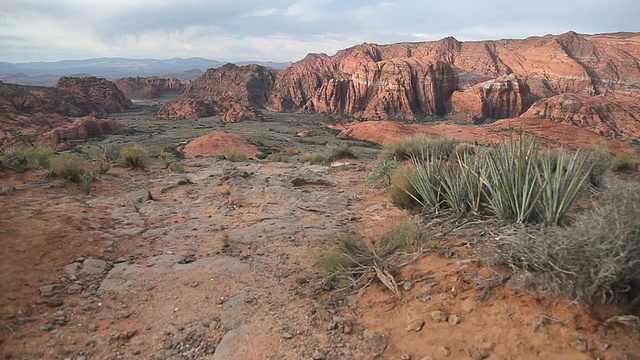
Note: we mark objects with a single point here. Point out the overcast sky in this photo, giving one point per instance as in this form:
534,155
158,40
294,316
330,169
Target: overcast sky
280,30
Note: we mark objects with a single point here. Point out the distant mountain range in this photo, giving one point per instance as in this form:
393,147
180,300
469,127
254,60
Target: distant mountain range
47,73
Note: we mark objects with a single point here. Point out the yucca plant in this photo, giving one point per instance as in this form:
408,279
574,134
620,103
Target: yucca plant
560,180
454,188
471,169
426,182
512,187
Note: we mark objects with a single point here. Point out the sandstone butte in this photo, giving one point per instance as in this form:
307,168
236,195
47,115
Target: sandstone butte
474,81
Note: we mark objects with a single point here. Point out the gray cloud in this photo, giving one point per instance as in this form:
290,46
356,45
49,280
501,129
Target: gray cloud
281,29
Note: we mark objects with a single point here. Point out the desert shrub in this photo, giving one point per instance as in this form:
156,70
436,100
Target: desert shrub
26,158
594,259
329,154
316,158
418,145
133,157
380,175
103,167
86,182
599,162
70,167
279,157
109,152
337,152
232,155
401,189
465,149
623,162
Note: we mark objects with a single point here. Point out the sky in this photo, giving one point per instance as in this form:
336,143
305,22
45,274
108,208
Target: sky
280,30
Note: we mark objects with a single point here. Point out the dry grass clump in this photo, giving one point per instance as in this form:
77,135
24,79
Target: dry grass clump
234,156
133,157
418,145
22,158
354,265
329,154
596,260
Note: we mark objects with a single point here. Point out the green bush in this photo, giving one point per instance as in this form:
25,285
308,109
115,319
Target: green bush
418,146
380,176
133,157
70,167
26,158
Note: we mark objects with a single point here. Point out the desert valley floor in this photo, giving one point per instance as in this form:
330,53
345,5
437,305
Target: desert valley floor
218,262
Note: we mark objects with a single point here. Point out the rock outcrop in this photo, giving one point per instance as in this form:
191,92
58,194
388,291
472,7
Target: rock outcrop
234,92
80,128
504,97
29,100
152,87
186,108
96,90
222,143
28,112
609,116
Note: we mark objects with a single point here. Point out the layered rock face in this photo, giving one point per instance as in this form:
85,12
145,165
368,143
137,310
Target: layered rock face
605,115
152,87
409,81
504,97
96,90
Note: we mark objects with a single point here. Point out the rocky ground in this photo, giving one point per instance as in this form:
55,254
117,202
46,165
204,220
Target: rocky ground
218,263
